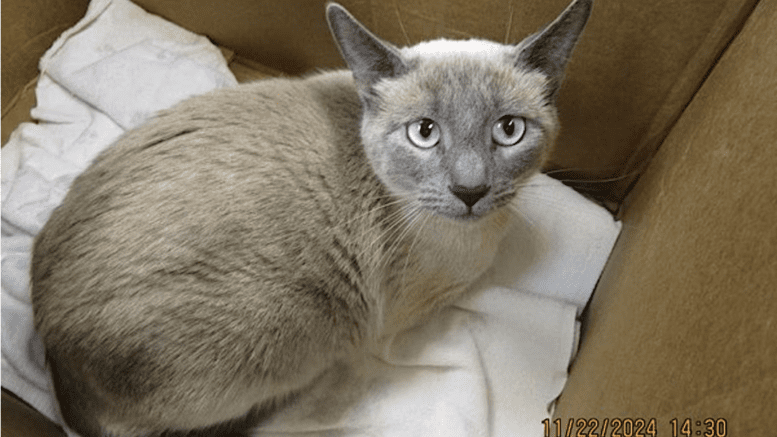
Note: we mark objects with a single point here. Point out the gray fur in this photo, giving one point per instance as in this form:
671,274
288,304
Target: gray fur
226,253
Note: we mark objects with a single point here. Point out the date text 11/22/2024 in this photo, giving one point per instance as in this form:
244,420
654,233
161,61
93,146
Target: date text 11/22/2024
629,427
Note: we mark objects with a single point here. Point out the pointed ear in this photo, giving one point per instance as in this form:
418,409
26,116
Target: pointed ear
549,50
369,58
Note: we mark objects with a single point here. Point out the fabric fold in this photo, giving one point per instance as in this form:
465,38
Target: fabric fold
487,366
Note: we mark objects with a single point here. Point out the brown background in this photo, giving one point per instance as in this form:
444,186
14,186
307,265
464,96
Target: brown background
636,68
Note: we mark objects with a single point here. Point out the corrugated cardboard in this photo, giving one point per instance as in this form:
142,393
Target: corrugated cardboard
683,323
28,29
21,420
635,70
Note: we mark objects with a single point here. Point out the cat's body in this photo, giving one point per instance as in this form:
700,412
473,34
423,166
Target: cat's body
229,251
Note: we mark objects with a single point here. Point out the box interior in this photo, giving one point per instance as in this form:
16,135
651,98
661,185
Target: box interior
682,324
668,116
634,71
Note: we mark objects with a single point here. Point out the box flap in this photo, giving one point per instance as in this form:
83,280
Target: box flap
28,29
637,66
683,323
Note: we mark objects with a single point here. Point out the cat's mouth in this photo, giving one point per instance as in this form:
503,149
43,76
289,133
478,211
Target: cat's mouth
456,207
462,213
469,216
457,210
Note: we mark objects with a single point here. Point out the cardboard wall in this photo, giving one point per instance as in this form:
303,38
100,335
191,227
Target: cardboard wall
28,29
684,321
26,421
636,68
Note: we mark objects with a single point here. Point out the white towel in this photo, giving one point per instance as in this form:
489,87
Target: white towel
490,365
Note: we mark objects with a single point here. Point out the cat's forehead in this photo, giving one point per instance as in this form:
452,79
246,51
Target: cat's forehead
471,49
472,66
452,77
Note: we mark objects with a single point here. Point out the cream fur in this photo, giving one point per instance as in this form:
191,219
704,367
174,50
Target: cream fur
219,258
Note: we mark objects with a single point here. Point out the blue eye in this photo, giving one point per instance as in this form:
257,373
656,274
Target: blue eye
508,130
424,133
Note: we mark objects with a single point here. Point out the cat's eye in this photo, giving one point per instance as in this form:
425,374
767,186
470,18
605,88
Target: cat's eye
424,133
508,130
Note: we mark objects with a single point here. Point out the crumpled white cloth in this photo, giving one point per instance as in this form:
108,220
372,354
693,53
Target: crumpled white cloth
488,366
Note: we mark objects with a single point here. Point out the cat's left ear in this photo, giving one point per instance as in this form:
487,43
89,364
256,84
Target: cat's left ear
369,58
549,49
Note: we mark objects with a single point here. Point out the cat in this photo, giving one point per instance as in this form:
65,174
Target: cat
216,260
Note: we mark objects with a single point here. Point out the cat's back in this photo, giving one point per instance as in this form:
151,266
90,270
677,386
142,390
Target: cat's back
202,190
289,121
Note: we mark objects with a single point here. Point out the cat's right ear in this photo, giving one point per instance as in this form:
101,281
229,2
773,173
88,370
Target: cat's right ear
369,58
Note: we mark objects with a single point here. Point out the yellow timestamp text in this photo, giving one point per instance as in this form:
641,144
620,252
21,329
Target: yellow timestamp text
635,427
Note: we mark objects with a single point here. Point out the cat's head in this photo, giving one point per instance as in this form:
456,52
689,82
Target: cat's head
454,127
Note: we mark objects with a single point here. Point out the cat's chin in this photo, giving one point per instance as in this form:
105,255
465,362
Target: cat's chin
468,217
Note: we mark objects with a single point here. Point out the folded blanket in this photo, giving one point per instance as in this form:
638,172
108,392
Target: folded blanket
489,365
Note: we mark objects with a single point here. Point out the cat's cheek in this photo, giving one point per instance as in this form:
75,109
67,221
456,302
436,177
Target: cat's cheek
524,158
404,168
397,163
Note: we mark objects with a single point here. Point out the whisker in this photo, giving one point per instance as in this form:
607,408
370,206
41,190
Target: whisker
392,234
593,180
596,181
393,202
581,169
285,238
409,221
521,215
401,25
395,224
419,229
541,201
509,21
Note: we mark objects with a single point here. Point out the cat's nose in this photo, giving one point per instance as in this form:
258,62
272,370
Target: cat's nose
470,196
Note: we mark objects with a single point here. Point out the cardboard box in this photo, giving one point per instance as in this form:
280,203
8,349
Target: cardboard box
669,117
